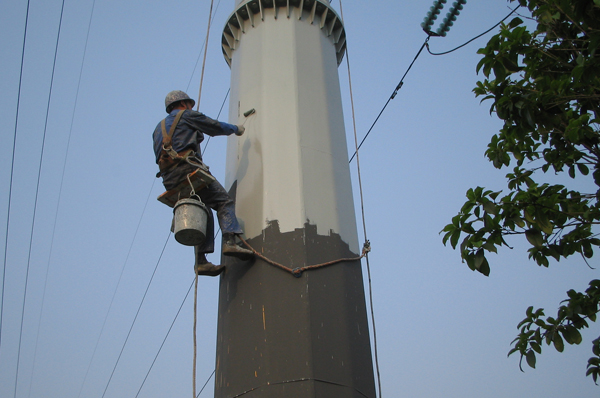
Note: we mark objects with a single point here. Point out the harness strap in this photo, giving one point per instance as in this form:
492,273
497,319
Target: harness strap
168,138
169,158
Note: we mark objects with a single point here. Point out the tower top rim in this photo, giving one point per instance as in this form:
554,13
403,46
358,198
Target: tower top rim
248,12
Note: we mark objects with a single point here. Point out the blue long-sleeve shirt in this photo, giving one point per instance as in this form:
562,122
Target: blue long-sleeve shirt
190,131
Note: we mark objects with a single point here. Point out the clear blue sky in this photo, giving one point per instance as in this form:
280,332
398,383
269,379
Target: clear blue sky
443,331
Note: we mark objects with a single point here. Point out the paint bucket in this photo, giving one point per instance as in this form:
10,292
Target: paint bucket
189,222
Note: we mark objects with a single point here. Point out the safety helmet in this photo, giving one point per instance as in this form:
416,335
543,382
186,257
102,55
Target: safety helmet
176,96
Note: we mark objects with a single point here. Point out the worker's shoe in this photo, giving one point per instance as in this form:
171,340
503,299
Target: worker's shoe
231,249
204,267
208,269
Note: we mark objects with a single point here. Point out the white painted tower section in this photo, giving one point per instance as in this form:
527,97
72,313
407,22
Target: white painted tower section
291,165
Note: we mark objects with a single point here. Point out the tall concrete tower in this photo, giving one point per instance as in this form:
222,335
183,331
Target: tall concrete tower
281,335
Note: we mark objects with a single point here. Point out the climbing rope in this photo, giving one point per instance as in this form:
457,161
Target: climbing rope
196,283
362,209
205,51
297,272
195,346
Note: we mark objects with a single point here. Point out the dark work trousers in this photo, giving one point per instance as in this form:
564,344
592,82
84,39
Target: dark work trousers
214,197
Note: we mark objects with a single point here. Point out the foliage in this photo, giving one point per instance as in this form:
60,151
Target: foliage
545,85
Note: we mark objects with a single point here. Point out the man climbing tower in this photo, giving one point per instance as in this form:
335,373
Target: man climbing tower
179,155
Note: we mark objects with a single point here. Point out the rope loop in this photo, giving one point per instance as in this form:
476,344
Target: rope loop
297,272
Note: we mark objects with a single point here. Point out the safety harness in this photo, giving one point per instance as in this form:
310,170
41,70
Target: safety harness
169,158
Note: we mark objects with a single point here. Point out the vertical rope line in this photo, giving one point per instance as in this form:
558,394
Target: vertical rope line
205,51
200,52
195,348
362,209
12,168
197,108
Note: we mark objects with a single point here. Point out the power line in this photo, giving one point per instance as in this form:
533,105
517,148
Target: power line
136,315
61,185
476,37
398,87
12,167
165,339
37,190
220,110
116,288
207,380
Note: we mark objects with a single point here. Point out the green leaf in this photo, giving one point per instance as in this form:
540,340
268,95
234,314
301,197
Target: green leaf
479,258
485,268
515,22
535,237
530,357
454,238
490,207
583,169
558,342
574,337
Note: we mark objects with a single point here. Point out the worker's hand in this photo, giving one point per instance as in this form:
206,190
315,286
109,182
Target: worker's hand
240,130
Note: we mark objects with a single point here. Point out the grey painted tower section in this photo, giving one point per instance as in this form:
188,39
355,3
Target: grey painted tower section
279,335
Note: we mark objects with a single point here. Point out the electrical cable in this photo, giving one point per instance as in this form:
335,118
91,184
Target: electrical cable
37,190
165,339
136,315
207,380
116,289
220,110
476,37
12,167
398,87
213,15
362,208
61,185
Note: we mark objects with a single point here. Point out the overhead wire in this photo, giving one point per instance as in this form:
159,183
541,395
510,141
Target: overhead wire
205,384
136,315
202,48
358,146
165,339
476,37
362,209
399,86
12,168
56,211
133,240
37,190
118,359
116,288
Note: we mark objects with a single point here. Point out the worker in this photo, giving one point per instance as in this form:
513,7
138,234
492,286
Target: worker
180,156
